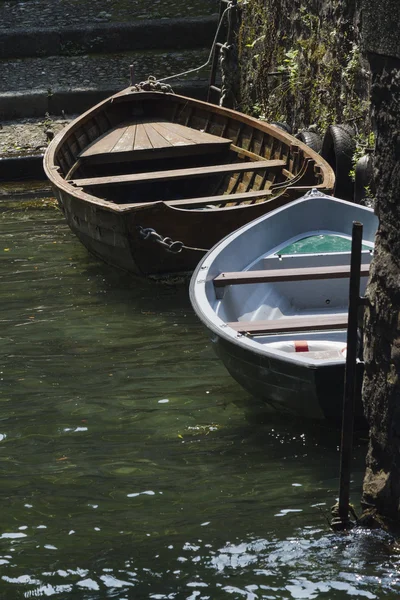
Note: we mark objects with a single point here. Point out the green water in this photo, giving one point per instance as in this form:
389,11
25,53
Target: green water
320,243
133,466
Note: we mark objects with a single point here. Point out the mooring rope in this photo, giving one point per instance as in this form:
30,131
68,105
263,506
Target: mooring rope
228,8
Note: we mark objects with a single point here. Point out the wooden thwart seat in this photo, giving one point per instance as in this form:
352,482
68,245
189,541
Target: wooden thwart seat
154,176
221,199
281,275
291,324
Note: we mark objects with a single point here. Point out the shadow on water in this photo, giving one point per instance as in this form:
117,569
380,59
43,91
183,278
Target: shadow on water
134,466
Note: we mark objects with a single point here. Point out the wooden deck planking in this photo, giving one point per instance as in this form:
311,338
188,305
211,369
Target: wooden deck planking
223,169
173,138
156,139
148,135
127,140
142,141
105,143
193,135
174,151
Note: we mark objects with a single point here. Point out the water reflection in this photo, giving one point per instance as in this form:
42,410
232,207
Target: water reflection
133,466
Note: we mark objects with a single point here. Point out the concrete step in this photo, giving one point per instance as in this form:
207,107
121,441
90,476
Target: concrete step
59,84
95,38
57,14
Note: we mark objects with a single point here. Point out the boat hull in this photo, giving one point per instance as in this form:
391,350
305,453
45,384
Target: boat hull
274,296
287,388
191,171
115,237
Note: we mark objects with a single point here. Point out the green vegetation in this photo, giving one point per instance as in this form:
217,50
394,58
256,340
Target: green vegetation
302,66
364,143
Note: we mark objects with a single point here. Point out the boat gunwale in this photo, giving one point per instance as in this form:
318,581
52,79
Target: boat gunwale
52,170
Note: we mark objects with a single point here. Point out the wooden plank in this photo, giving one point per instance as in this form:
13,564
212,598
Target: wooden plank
156,139
193,135
145,135
194,202
179,173
127,140
142,141
175,139
244,152
172,151
291,324
104,143
281,275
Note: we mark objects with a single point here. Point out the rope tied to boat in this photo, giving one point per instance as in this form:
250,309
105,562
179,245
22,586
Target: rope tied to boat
148,233
152,84
231,5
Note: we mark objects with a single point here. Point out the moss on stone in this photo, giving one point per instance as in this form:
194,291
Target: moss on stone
302,63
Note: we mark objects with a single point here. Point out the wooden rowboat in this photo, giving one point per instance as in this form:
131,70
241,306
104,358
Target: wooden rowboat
149,180
274,298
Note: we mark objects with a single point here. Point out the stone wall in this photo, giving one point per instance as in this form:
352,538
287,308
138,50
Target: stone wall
301,63
381,389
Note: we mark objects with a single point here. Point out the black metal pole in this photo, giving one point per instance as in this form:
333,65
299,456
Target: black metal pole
346,449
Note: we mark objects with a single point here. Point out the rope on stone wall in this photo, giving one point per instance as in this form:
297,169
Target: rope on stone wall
228,75
226,11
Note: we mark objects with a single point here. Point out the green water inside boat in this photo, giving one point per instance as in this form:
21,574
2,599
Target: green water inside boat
315,244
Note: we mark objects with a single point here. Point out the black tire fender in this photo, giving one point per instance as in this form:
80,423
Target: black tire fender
282,125
338,147
311,139
364,178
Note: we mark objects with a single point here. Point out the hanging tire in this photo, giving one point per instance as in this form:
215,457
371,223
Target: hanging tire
364,184
282,125
338,147
311,139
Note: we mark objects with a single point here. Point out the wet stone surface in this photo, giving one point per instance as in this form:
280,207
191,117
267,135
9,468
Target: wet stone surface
31,81
96,71
29,136
67,13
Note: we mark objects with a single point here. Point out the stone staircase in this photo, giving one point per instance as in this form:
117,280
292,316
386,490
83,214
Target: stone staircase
60,57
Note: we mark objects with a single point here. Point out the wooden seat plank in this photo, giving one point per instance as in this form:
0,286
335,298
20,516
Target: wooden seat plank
193,202
179,173
291,324
281,275
221,199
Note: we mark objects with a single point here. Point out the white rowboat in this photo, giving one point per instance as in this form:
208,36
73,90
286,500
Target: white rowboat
274,298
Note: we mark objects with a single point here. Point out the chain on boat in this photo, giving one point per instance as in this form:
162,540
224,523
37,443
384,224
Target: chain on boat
148,233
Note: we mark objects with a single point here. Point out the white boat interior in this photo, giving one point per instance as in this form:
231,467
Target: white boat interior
280,284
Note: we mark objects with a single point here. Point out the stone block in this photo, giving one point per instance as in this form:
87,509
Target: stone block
380,27
16,105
